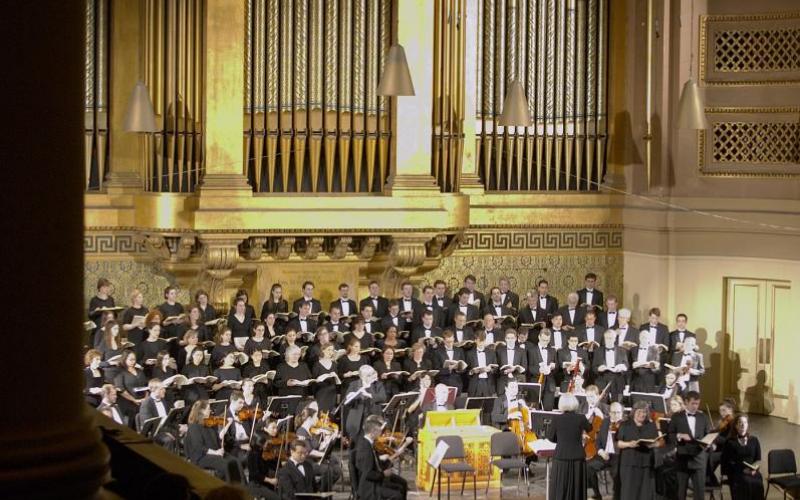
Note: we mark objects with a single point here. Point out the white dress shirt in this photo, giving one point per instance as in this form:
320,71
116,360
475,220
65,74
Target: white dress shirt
589,296
692,423
611,358
162,411
345,305
557,341
482,363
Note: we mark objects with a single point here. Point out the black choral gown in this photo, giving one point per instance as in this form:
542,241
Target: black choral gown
135,335
568,477
636,473
325,392
744,485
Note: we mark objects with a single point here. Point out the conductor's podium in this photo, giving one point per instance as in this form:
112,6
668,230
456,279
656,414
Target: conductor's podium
464,423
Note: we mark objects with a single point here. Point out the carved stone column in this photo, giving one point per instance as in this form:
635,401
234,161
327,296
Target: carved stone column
49,445
220,257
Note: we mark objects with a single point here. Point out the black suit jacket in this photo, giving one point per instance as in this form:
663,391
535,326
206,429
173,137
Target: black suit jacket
379,311
504,311
386,322
370,473
292,481
439,314
444,302
550,308
674,338
513,299
472,362
597,298
419,333
620,357
447,376
662,333
602,319
353,308
360,408
476,295
599,330
311,325
690,453
473,313
315,305
528,315
580,316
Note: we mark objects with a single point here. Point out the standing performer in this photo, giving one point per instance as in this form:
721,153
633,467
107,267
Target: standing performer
610,364
568,476
686,428
481,379
636,473
542,366
363,398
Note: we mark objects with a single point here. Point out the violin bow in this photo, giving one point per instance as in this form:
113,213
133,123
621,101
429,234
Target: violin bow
253,428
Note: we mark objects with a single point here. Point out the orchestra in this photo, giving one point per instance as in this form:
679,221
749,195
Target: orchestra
293,394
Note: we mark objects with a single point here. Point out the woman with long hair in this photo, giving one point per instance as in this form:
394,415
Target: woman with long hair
740,455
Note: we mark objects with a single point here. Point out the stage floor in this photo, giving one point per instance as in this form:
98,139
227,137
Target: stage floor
773,433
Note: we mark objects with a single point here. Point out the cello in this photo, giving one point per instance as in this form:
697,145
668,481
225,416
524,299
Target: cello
590,446
522,428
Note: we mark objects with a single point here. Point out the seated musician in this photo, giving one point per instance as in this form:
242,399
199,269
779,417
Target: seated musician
319,440
610,365
572,361
297,474
108,405
443,354
440,401
594,406
363,398
262,460
237,438
203,444
507,407
373,478
156,407
481,376
607,456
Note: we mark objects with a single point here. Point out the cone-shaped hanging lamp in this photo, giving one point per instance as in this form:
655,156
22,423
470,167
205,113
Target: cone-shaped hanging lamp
396,79
691,113
515,108
140,116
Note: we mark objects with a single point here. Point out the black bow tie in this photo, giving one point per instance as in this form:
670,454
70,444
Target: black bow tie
609,349
690,415
573,350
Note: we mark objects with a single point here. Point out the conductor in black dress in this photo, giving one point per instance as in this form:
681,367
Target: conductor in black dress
568,480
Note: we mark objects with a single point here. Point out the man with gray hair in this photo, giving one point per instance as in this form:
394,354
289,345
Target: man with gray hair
364,397
573,315
626,332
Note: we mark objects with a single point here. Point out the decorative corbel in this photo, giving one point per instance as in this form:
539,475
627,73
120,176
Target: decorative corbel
284,248
185,246
407,254
156,245
220,257
313,247
368,247
254,248
435,245
342,244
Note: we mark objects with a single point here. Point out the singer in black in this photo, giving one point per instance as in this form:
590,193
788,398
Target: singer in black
739,458
686,429
568,479
637,478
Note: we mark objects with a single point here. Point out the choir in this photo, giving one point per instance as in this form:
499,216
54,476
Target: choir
275,394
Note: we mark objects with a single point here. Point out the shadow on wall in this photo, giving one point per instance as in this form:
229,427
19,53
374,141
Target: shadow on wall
758,398
723,368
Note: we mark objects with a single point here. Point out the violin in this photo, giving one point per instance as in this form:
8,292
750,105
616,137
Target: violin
250,414
275,448
389,442
324,424
214,421
574,374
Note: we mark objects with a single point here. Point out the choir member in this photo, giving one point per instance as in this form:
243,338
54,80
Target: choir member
325,392
207,311
440,296
223,346
415,362
426,330
93,377
609,318
240,323
290,339
610,364
428,304
133,318
685,429
226,371
607,455
108,405
322,339
481,380
588,295
725,430
529,313
414,412
344,302
195,367
304,322
164,367
380,304
740,456
494,331
250,311
170,308
365,340
111,343
462,304
251,398
194,322
657,331
318,440
677,336
542,368
347,366
511,356
626,331
256,365
386,365
391,339
408,304
496,307
363,398
572,314
130,378
275,303
462,331
373,480
393,317
290,373
545,303
645,364
671,387
572,361
271,326
446,358
258,340
203,445
508,298
591,334
690,364
568,471
148,350
371,324
314,305
336,324
558,337
475,297
102,299
637,479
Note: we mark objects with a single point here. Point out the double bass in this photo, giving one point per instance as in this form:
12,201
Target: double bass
522,428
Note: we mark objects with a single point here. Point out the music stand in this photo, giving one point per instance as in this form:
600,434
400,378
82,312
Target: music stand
540,420
283,405
399,403
533,392
323,494
654,400
484,404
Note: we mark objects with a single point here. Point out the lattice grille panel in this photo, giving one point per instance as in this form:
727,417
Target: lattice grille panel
757,50
756,142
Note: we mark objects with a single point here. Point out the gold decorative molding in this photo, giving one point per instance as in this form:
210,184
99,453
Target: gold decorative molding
750,142
341,246
284,248
750,49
